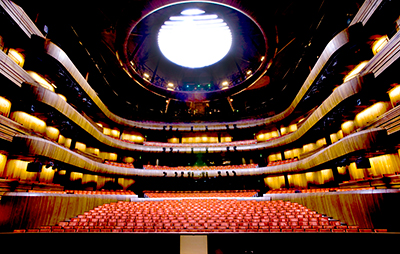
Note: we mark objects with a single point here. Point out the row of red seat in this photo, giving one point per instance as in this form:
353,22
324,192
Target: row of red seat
201,215
101,192
191,229
119,164
285,191
274,163
233,143
199,194
191,168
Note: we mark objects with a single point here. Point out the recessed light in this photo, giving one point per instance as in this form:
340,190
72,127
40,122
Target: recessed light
194,39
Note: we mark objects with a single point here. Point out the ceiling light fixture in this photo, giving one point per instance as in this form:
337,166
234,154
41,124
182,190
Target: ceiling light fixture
194,39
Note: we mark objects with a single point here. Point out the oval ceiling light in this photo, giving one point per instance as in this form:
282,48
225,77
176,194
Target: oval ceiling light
194,39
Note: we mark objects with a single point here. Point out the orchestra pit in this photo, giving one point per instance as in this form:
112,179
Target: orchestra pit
199,127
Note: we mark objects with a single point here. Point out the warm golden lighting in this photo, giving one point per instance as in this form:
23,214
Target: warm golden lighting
52,133
339,134
274,157
106,131
348,127
128,159
170,85
248,72
321,142
356,173
108,156
74,176
80,146
275,182
292,127
283,130
68,142
3,160
173,140
113,156
47,174
353,73
309,147
5,107
385,164
41,80
394,95
132,137
28,121
87,178
262,58
370,114
93,150
115,133
16,169
200,138
379,44
62,97
333,137
17,57
146,76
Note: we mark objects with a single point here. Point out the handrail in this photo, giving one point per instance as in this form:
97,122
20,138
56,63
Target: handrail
358,141
332,47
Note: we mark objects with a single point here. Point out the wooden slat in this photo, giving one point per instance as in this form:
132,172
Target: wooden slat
12,71
340,94
343,92
25,210
366,209
21,18
367,9
384,58
332,47
359,141
39,146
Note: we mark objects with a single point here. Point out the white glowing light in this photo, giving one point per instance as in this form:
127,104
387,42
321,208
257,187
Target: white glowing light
194,39
192,12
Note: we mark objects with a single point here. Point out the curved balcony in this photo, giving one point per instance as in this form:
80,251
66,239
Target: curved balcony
338,42
360,141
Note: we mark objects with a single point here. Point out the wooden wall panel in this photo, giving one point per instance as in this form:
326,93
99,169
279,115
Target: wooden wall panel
52,150
366,209
33,210
359,141
331,48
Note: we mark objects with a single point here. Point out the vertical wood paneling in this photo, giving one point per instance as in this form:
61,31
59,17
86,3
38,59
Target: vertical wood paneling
366,209
33,211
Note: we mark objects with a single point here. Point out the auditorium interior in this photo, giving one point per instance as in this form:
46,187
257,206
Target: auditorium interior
224,126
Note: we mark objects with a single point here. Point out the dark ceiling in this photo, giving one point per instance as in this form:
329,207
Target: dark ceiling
297,32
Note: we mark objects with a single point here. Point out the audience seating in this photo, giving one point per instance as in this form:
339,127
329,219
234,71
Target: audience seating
293,190
185,168
200,215
85,192
199,194
275,163
120,164
233,143
101,192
